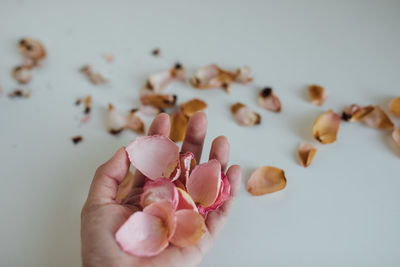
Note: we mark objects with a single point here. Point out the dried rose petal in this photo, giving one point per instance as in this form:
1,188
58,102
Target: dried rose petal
88,104
22,74
179,123
326,127
190,228
94,77
244,115
394,106
135,123
158,190
306,153
378,119
187,163
115,121
317,94
157,82
269,100
31,48
156,52
212,76
155,156
243,74
356,113
396,136
77,139
159,101
148,110
266,180
18,93
192,106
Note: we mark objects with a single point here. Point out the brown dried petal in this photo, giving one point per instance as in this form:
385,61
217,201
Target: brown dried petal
317,94
326,127
179,122
266,180
378,119
135,123
244,115
157,82
94,77
31,48
20,93
192,106
159,100
77,139
156,52
269,100
394,106
115,121
306,153
88,104
396,136
243,74
212,76
22,74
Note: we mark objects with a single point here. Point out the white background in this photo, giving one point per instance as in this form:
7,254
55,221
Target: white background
342,211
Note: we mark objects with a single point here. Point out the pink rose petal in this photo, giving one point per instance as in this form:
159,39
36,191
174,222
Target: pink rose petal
185,201
142,235
185,165
155,156
204,183
190,228
159,190
166,212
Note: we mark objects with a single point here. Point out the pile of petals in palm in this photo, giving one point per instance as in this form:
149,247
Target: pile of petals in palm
176,198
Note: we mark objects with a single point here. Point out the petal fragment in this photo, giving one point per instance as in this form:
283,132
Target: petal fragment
179,123
142,235
187,163
116,122
394,106
159,101
161,189
185,201
204,183
269,100
166,212
211,76
378,119
157,82
326,127
192,106
22,74
396,136
306,153
190,228
355,113
243,75
317,94
155,156
32,49
266,180
244,115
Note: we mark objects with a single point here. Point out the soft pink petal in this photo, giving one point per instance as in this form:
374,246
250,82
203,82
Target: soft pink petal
159,190
185,201
204,183
190,228
166,212
142,235
185,166
155,156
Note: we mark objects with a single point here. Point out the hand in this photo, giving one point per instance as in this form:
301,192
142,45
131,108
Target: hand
102,215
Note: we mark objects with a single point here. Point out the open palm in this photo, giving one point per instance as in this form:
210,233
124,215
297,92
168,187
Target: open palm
102,215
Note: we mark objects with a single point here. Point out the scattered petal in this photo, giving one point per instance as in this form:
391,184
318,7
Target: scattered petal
378,119
244,115
148,110
187,163
266,180
394,106
190,228
243,75
155,156
396,136
159,101
179,123
166,212
204,183
135,123
192,106
142,235
18,93
326,127
157,82
159,190
269,100
306,153
22,74
185,200
88,104
317,94
32,49
77,139
212,76
115,121
156,52
94,77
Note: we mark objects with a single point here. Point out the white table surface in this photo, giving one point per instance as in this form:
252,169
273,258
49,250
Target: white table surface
342,211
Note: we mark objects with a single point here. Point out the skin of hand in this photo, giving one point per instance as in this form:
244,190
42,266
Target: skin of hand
102,215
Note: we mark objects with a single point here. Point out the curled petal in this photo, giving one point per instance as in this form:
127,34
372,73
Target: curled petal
148,110
179,123
187,163
378,119
166,212
155,156
317,94
243,75
396,136
159,190
157,82
190,228
266,180
326,127
134,122
115,121
212,76
306,153
185,201
159,101
22,74
394,106
244,115
32,49
223,195
204,183
142,235
94,77
192,106
269,100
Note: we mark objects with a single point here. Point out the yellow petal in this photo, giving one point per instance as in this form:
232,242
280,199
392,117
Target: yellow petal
179,123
